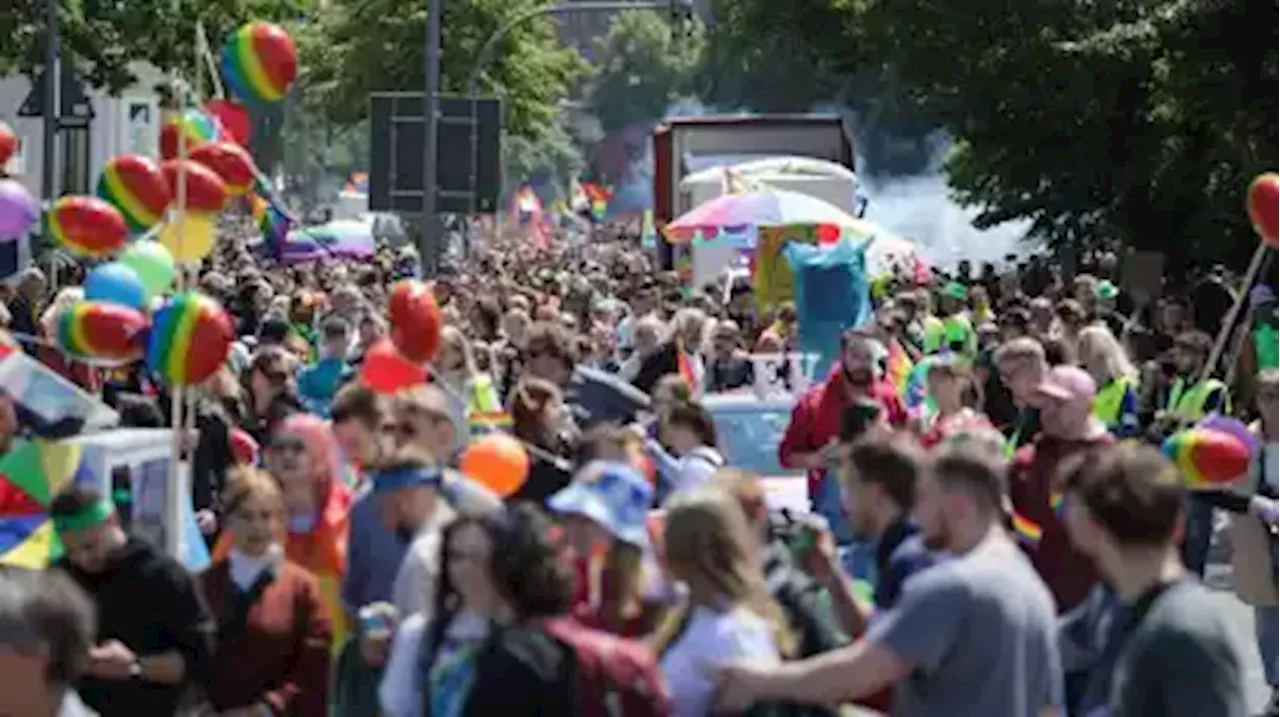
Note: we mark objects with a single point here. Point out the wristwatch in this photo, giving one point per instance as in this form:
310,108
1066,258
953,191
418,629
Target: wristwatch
135,670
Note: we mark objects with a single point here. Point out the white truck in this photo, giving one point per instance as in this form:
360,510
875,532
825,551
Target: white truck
807,153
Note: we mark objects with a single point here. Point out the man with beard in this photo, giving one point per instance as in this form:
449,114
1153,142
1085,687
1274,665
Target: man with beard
812,438
974,635
155,633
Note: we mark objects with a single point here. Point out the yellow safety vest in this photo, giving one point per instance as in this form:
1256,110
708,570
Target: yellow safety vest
1187,404
1106,407
484,410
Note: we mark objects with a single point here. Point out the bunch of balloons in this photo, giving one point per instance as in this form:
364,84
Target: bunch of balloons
415,337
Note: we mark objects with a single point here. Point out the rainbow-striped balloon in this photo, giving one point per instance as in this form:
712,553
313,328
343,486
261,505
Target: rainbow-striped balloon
190,339
102,332
259,63
136,186
1207,459
199,127
87,226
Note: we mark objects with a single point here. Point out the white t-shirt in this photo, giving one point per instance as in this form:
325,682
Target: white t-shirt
414,589
712,638
400,693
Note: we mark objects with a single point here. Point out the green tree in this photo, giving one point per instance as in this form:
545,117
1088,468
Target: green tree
769,56
102,37
642,67
377,45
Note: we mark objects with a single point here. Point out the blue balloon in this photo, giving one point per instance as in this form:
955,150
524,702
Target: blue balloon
116,283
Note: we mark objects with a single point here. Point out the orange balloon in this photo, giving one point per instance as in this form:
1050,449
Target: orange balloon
497,461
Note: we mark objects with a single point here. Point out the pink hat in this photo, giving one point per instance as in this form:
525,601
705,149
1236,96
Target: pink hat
1068,384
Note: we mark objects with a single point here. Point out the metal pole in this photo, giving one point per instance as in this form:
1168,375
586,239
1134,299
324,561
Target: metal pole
52,83
429,242
490,45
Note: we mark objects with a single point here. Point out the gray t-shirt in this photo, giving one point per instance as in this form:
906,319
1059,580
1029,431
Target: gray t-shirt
1181,660
979,632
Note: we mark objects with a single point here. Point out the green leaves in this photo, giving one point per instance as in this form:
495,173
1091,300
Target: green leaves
104,37
364,46
1128,120
644,65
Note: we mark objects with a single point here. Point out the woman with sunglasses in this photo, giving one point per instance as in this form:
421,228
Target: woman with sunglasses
302,456
272,392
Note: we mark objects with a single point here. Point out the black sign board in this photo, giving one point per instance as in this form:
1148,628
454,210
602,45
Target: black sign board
75,107
468,161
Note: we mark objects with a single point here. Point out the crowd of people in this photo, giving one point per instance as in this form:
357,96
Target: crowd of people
1000,538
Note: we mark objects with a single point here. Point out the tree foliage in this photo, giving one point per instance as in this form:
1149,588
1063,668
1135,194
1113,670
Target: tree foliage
367,46
643,65
103,37
1129,120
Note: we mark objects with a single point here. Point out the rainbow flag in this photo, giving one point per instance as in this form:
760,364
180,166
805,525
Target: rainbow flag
599,198
482,422
1028,531
898,367
274,223
1055,503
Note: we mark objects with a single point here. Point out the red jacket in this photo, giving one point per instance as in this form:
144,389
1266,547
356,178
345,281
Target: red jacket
818,413
1068,573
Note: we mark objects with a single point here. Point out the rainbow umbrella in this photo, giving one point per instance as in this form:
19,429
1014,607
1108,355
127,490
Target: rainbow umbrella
31,473
734,214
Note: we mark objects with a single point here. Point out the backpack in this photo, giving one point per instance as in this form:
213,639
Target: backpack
615,677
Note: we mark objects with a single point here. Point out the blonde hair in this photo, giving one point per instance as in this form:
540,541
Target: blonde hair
245,483
1098,348
707,534
453,337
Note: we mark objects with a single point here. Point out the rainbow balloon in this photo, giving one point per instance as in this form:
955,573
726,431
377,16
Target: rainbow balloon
199,127
231,162
190,339
100,331
1206,458
136,186
260,62
87,226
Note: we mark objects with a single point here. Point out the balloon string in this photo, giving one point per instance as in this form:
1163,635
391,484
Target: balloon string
211,66
447,386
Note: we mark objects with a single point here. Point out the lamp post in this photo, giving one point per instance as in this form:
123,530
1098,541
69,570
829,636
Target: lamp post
52,83
429,240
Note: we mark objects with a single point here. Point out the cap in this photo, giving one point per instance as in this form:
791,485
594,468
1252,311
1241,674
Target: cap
955,290
1068,383
613,495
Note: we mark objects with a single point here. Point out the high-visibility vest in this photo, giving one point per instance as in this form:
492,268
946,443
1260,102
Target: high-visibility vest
484,408
1187,404
934,333
1110,399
